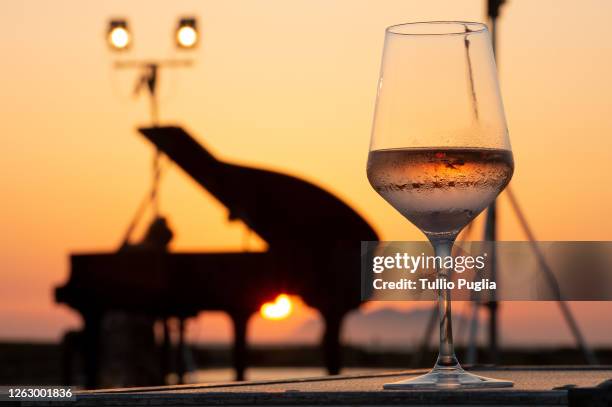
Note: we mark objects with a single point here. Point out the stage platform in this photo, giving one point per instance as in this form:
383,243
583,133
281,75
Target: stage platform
534,386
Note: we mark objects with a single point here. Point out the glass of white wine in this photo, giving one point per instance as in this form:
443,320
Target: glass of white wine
440,151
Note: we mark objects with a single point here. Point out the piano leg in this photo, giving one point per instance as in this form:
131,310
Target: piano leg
180,352
331,342
70,347
240,352
91,348
165,348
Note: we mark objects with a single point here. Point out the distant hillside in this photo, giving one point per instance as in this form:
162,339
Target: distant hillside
386,328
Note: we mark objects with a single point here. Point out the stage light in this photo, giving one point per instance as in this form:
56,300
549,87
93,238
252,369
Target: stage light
118,36
187,33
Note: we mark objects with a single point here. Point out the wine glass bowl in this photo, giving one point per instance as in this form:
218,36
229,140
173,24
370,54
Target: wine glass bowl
440,152
440,190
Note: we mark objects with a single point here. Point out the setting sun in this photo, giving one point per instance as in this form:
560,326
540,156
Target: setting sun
279,309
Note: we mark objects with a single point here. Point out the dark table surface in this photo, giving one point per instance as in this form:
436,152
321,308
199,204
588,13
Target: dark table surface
533,386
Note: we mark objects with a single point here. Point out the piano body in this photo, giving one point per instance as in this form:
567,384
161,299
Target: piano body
313,251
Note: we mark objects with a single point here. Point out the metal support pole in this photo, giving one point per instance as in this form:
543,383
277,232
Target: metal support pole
493,7
150,79
492,305
589,356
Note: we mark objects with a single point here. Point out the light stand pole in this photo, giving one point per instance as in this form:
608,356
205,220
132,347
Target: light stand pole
493,9
119,39
148,81
490,233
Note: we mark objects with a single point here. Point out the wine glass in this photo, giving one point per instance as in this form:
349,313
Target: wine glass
440,151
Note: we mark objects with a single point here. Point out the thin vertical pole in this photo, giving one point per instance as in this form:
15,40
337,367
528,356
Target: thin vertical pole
154,107
491,219
155,182
419,352
471,352
492,304
490,234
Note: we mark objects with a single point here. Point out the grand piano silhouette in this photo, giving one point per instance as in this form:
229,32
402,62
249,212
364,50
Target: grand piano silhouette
313,251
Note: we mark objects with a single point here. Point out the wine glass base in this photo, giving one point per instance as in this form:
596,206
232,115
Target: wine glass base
448,379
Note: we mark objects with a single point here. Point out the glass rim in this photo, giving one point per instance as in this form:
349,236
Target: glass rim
412,28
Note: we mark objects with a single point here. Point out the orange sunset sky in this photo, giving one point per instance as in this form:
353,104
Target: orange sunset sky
287,85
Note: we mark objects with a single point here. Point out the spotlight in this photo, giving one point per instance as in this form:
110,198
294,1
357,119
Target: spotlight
187,33
118,35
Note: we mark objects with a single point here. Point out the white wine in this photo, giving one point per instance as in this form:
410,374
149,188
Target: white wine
440,190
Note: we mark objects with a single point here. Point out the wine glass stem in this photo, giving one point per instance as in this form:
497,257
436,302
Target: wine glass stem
446,355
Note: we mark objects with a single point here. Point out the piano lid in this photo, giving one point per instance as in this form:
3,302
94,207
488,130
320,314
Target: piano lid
278,207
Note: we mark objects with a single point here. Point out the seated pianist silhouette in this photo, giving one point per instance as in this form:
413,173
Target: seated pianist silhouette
313,251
